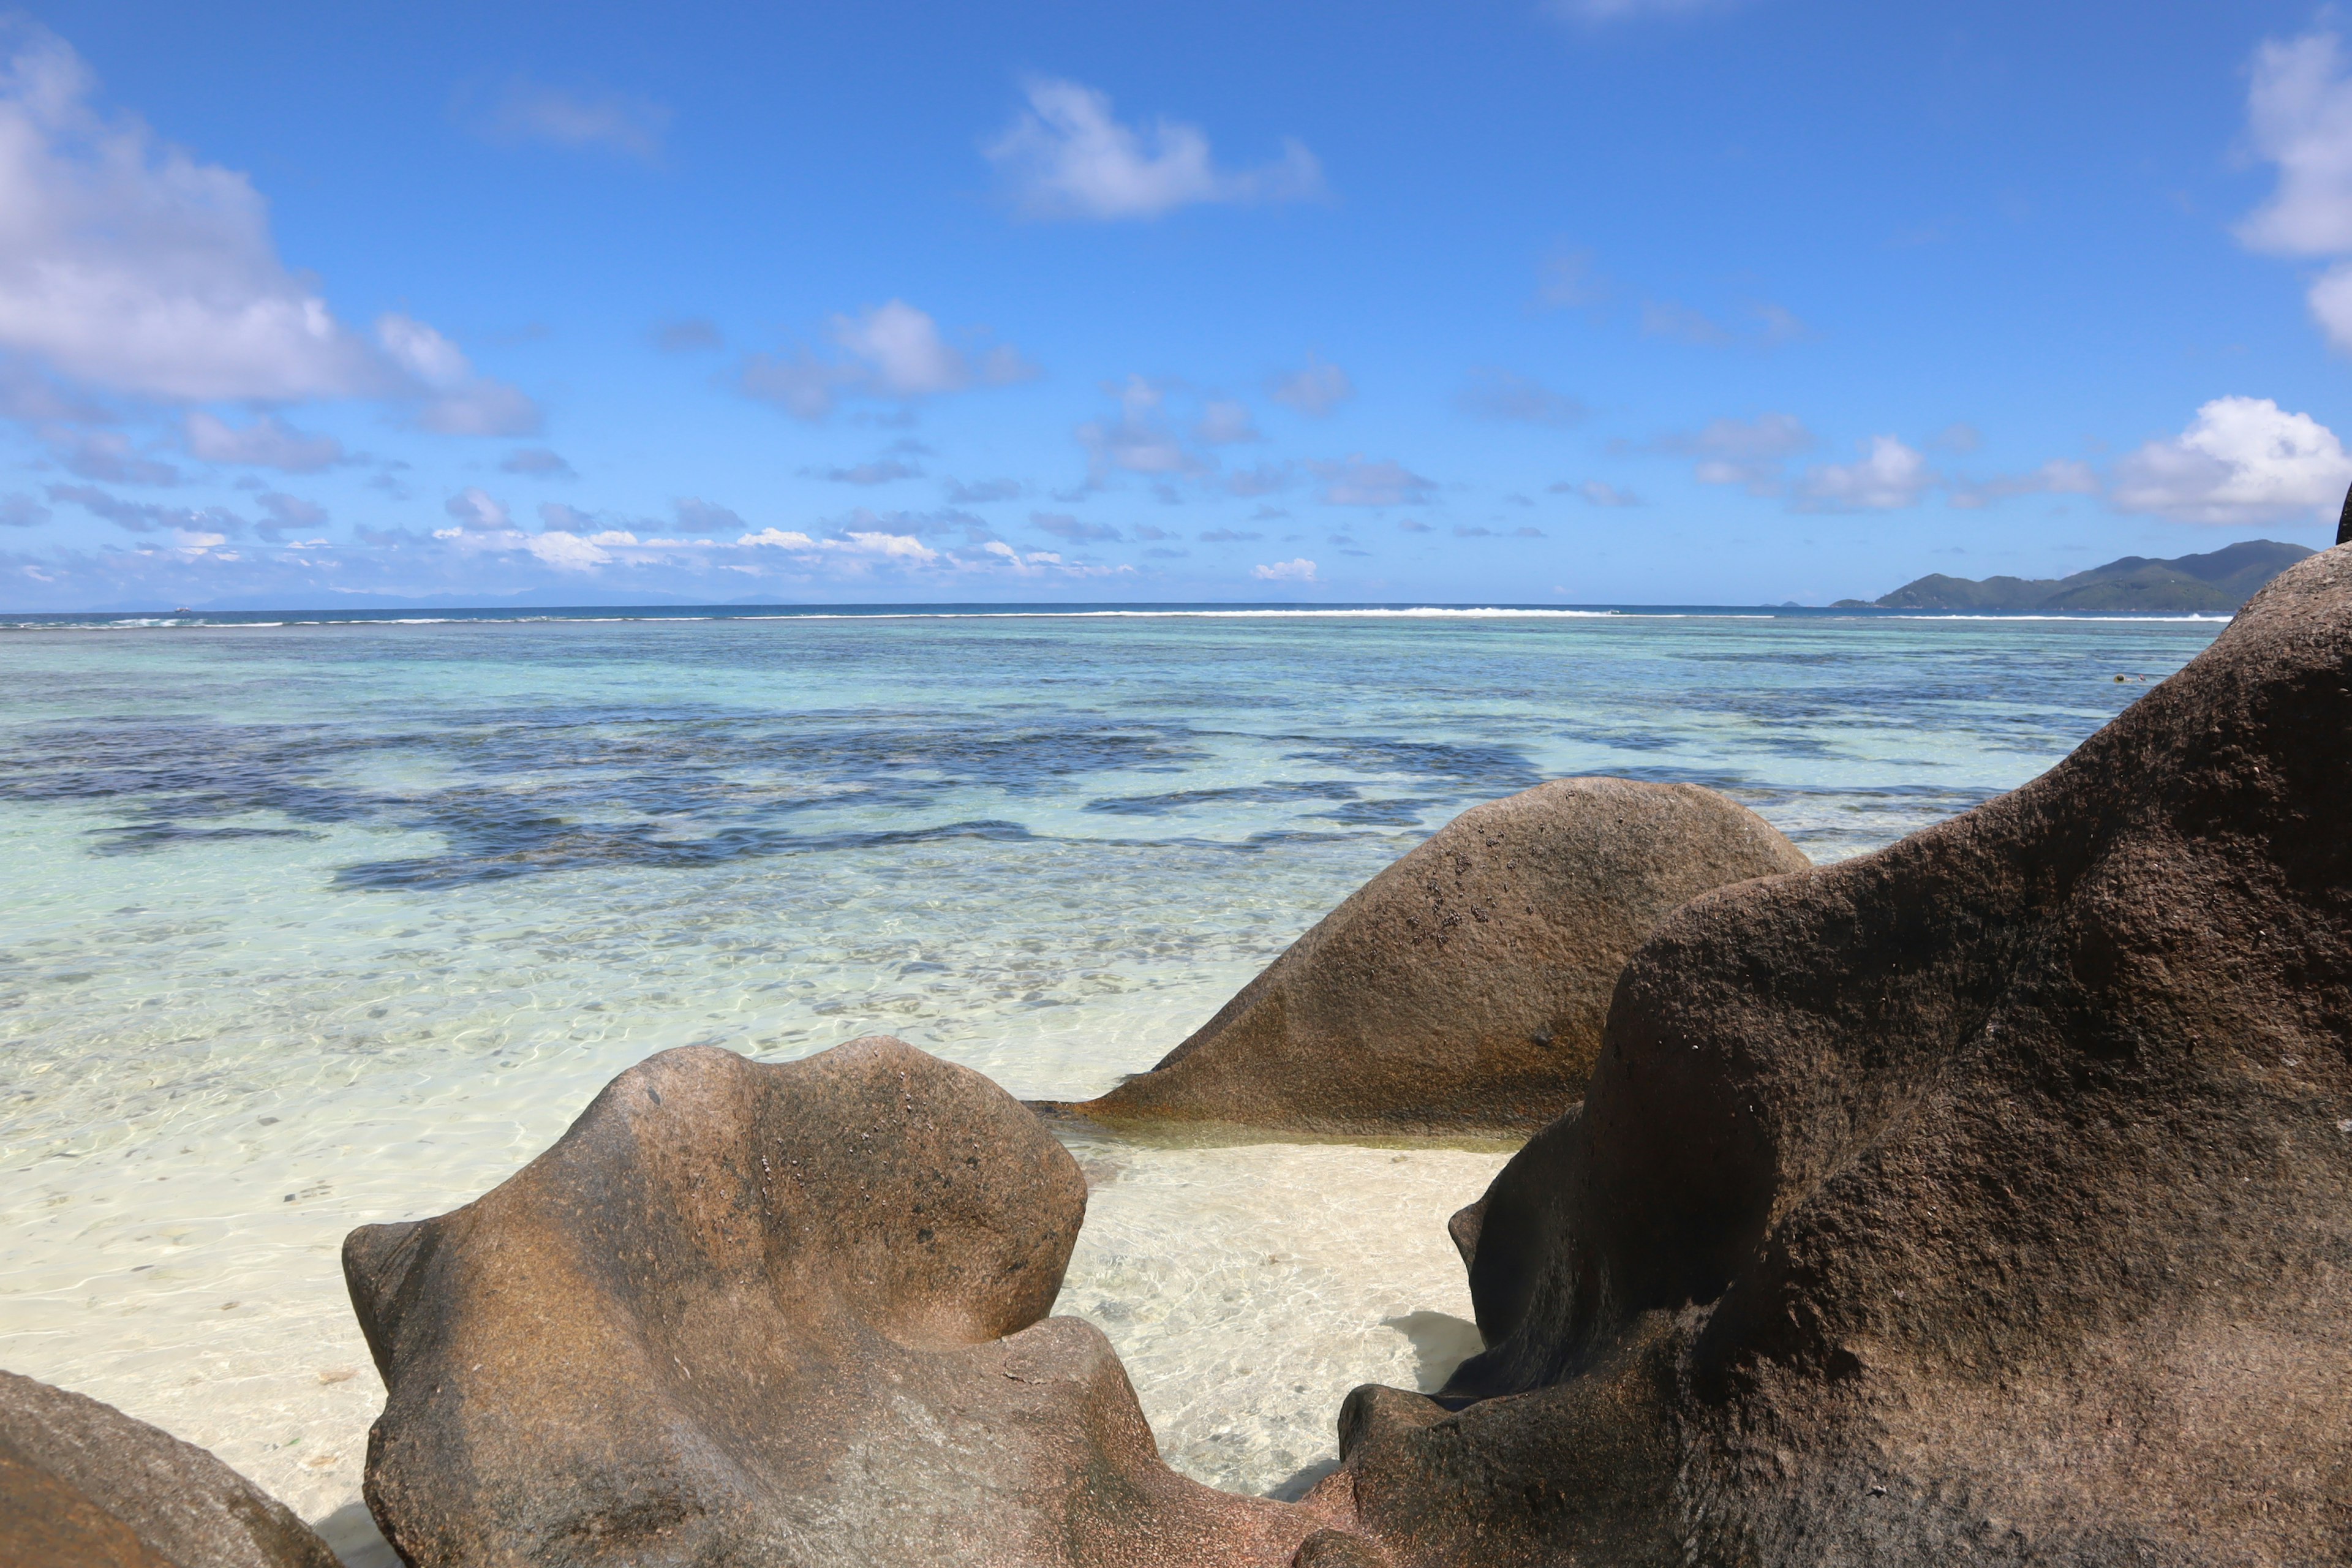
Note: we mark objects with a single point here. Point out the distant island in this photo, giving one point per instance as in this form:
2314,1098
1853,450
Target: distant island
2219,580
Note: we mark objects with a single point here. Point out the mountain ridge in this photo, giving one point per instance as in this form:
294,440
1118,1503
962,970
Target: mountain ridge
2215,581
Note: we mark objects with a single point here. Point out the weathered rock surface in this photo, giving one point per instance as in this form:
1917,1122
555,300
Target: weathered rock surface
1985,1199
773,1315
1463,988
84,1486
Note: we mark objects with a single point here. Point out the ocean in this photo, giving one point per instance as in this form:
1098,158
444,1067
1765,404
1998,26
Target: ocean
312,920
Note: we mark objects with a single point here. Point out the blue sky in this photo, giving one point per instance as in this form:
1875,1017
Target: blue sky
1597,300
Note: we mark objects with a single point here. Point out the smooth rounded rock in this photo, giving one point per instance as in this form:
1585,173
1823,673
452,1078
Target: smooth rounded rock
1464,988
84,1486
774,1315
1985,1199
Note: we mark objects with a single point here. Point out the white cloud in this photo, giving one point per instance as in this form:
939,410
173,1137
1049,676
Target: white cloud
475,513
1358,482
903,347
264,444
1067,157
590,117
883,546
2299,116
2059,476
1891,475
126,264
459,402
566,551
1506,397
1299,571
1139,441
889,351
2242,461
778,538
1314,389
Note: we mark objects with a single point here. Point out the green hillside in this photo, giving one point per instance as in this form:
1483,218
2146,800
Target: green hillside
2217,581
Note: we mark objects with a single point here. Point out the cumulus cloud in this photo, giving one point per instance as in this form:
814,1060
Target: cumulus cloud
1357,481
1299,571
1067,157
890,351
457,402
477,512
107,456
1890,476
1139,441
266,443
1228,536
2299,117
128,264
1506,397
537,462
2242,461
1314,389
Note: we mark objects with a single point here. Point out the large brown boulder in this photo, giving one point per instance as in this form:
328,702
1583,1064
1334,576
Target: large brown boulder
84,1486
1985,1199
776,1315
1463,988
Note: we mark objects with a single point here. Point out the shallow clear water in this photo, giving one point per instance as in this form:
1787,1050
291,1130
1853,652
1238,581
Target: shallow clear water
308,926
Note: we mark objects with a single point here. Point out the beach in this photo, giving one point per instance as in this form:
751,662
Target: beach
328,923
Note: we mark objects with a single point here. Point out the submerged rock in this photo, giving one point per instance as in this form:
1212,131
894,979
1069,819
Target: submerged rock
1463,987
774,1315
1988,1198
84,1486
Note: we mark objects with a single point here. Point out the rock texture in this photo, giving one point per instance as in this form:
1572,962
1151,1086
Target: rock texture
777,1315
84,1486
1987,1199
1463,988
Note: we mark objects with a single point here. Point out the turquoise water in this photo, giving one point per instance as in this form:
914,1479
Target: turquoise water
312,925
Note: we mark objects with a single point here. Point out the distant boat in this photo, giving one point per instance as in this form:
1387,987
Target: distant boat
183,610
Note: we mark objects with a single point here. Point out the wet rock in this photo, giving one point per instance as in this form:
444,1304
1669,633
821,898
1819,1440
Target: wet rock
1463,988
84,1486
1988,1198
774,1315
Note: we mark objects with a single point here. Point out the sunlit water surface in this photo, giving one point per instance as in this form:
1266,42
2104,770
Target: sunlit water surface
309,926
